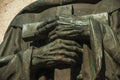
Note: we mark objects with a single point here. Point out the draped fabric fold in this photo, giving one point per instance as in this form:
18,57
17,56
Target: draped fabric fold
14,61
104,56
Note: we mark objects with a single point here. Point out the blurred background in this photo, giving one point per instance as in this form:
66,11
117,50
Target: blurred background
8,10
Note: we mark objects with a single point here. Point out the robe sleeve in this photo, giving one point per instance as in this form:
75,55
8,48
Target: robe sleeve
15,56
111,39
111,44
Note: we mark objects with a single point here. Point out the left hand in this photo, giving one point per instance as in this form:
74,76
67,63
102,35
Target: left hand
69,32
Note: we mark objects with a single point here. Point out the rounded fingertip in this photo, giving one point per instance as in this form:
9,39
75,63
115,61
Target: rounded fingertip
52,38
72,62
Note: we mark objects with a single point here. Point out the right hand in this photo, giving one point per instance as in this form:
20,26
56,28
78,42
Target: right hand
70,32
57,54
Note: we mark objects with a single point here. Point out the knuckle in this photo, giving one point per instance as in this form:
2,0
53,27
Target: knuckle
58,33
73,42
59,58
55,58
61,45
61,51
74,48
58,41
52,43
74,30
73,54
76,44
71,61
57,45
66,53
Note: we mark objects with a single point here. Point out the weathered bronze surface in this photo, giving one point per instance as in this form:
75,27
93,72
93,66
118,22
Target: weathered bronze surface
63,40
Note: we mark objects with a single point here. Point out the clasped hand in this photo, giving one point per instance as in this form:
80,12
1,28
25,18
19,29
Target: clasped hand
61,50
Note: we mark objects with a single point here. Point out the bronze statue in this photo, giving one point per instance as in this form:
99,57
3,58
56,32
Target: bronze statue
63,40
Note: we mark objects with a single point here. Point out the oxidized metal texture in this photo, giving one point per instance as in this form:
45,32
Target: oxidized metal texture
80,42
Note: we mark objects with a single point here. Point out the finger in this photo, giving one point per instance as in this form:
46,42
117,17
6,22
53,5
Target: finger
66,61
73,48
58,62
73,36
51,25
67,42
61,28
64,28
70,42
56,59
60,34
52,32
69,27
66,48
53,37
64,53
46,22
48,60
48,27
43,60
